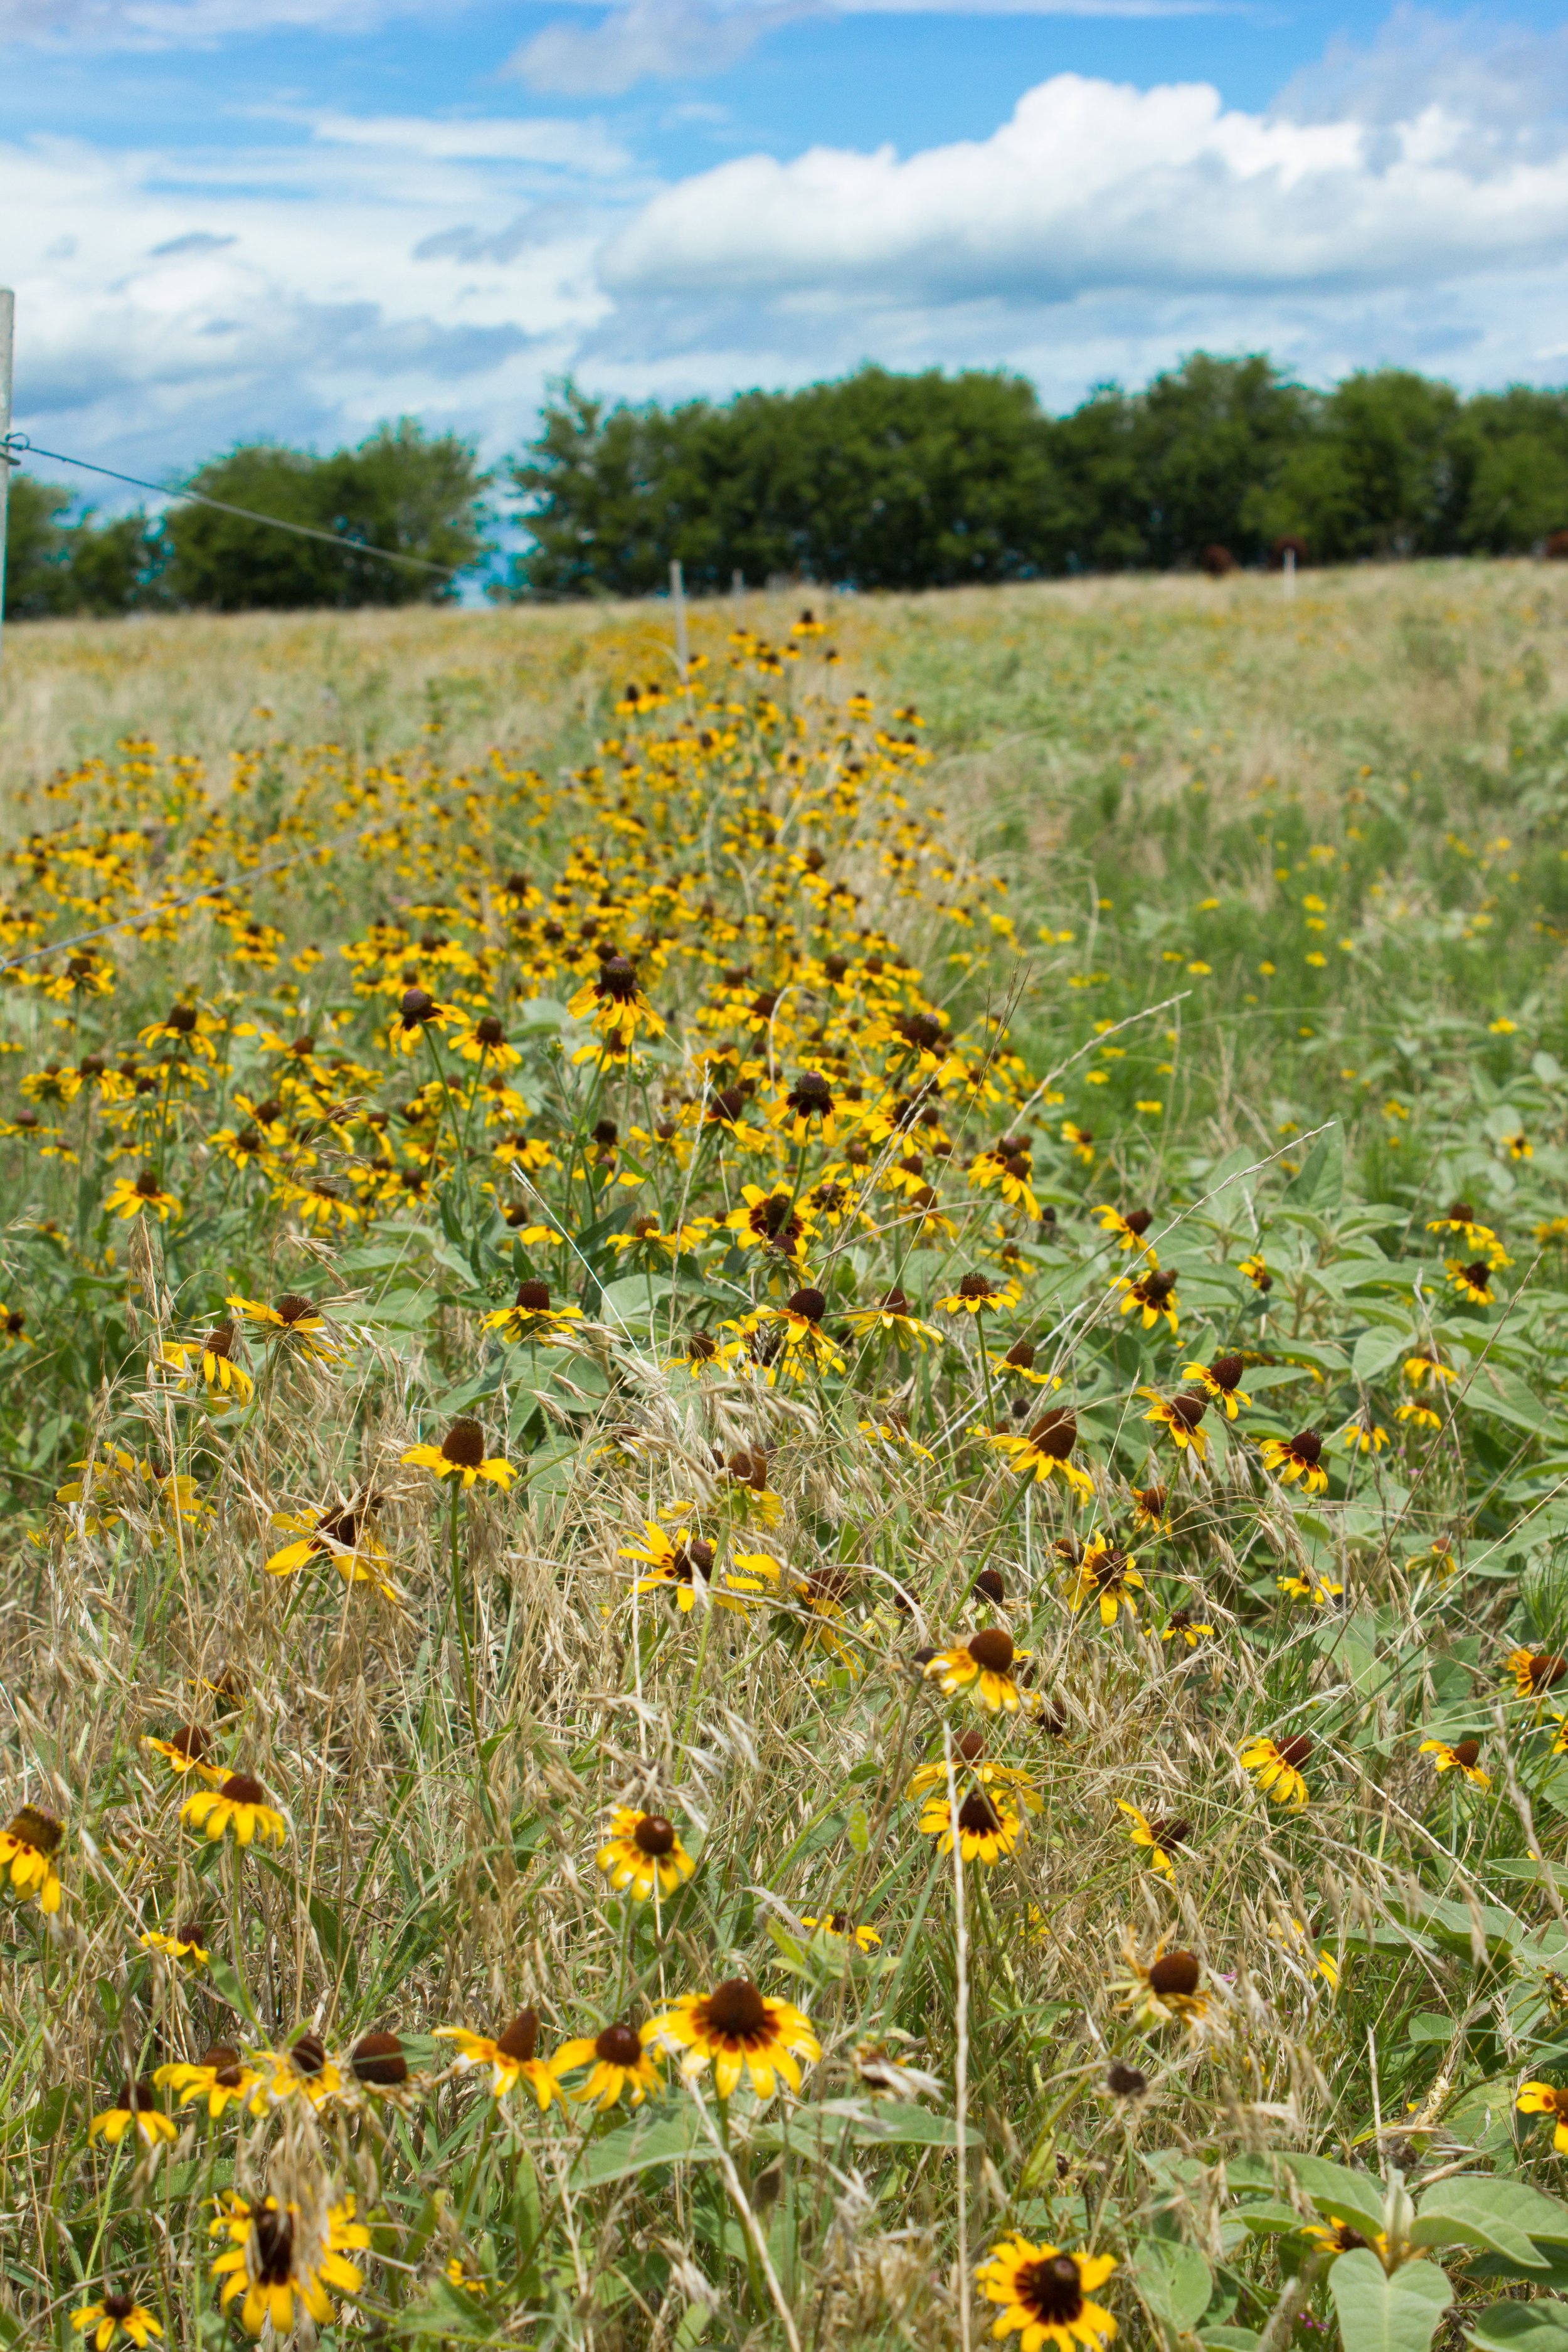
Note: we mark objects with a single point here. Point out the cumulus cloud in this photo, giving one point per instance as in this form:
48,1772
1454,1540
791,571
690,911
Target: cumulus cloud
1097,184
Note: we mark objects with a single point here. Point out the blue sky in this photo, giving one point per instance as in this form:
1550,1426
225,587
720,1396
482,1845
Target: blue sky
227,219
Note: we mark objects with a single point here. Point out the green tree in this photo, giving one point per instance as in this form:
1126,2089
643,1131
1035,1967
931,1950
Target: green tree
38,550
1379,476
398,490
1209,441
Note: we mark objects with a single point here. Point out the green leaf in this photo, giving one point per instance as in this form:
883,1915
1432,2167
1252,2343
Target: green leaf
1505,2216
1379,2313
1337,2191
1173,2281
1375,1350
1320,1184
639,2147
1520,2327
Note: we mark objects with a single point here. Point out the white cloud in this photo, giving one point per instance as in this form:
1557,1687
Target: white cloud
1091,186
159,23
577,146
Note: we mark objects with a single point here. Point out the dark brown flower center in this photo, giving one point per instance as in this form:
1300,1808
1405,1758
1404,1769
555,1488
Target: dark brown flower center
1176,1973
1124,2082
811,1096
272,2234
1051,2291
1467,1753
241,1789
1055,1434
377,2058
978,1816
989,1581
224,2060
1461,1212
653,1835
464,1445
119,2306
1295,1751
991,1649
1155,1289
976,1285
534,1298
1545,1670
191,1741
307,2053
521,2038
1021,1355
618,2045
702,1347
147,1184
417,1005
971,1746
182,1019
736,2010
1478,1274
606,1132
1167,1834
1225,1370
1137,1220
617,979
1189,1408
489,1031
809,1304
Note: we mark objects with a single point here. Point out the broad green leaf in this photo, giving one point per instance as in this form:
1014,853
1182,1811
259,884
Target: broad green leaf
638,2147
1173,2281
1505,2215
1270,2218
1338,2191
1520,2327
1379,2313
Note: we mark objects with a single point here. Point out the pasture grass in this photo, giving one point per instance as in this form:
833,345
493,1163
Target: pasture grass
1181,968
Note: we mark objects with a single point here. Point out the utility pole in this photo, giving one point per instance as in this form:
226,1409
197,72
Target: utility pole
1289,568
7,342
678,598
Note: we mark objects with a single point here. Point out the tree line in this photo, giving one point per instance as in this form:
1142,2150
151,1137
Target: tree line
875,481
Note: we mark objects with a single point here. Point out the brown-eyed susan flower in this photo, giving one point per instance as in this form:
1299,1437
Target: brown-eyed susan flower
416,1011
984,1822
220,2077
1181,1417
1277,1767
1422,1415
1182,1627
1044,2294
1292,1458
213,1358
643,1851
1009,1165
137,2107
1318,1590
894,1317
275,2259
1045,1449
971,1763
1461,1218
614,1002
800,1319
1221,1381
1340,2237
1545,2099
304,2070
28,1845
141,1195
379,2062
1535,1670
1463,1756
739,2031
1149,1507
113,2316
238,1803
485,1040
1080,1140
1256,1271
621,2064
533,1316
980,1293
840,1924
1128,1228
1104,1571
1291,1936
1424,1368
773,1220
188,1942
1154,1294
295,1318
1018,1364
337,1533
1168,1990
1362,1435
982,1667
511,2056
461,1455
1474,1281
676,1566
1160,1837
810,1098
189,1750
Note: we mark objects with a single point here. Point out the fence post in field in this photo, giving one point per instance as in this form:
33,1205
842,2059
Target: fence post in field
7,339
1289,570
678,598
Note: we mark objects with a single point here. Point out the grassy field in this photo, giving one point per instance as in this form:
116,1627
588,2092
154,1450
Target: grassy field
785,1469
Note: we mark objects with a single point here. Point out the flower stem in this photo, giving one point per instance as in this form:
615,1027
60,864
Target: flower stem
468,1653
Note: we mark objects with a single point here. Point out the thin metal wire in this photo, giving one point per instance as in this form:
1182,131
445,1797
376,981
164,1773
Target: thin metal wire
17,444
